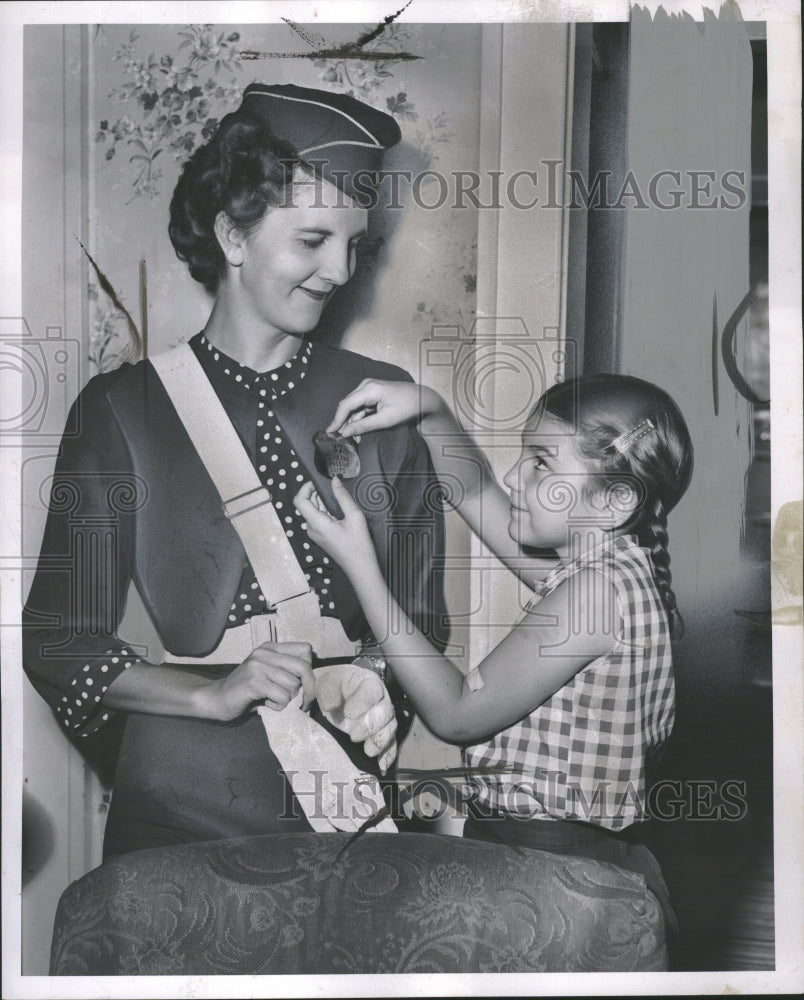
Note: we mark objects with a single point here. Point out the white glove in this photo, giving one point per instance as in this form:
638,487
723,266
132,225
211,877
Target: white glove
355,700
332,792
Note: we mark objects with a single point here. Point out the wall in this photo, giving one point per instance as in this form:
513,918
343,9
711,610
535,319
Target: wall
681,265
57,792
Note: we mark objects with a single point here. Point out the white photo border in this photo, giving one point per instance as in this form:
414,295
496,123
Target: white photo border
784,97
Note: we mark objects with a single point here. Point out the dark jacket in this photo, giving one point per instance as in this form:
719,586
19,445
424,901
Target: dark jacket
131,501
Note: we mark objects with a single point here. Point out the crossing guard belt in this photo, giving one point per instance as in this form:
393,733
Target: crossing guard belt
303,747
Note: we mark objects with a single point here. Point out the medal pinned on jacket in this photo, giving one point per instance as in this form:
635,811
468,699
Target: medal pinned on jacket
335,455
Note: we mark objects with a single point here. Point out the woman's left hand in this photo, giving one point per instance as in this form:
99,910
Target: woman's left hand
347,540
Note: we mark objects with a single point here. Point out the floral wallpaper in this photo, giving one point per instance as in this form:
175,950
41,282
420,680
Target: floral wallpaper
168,101
167,88
106,324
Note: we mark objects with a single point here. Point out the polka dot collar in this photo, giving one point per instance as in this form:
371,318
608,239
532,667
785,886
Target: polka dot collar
275,383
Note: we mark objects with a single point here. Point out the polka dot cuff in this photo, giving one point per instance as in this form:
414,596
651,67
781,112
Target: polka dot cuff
80,708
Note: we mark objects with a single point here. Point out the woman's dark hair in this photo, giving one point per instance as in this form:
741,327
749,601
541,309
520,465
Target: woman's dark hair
242,171
655,454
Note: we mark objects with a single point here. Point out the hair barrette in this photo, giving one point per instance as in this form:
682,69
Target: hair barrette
624,442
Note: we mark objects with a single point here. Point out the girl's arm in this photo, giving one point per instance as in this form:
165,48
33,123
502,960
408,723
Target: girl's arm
459,463
539,656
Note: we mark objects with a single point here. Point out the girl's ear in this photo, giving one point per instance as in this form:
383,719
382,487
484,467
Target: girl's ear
619,500
230,239
624,500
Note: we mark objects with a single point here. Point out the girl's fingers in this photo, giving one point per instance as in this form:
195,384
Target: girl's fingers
308,503
363,424
346,406
305,507
343,496
328,692
360,398
305,498
307,490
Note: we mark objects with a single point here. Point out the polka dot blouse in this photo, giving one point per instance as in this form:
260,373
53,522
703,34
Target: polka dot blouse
279,469
282,473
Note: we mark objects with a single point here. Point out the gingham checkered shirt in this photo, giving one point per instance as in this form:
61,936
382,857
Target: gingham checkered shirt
582,754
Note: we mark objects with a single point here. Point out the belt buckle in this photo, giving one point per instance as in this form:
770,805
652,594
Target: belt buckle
263,628
242,503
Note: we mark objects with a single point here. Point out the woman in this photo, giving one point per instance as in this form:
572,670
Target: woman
267,216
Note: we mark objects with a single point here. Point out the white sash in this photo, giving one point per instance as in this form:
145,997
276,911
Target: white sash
249,507
320,772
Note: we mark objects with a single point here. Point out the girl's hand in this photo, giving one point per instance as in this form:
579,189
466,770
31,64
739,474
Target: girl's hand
375,405
347,540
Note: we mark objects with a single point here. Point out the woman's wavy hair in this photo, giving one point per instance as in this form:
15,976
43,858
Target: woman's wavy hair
243,171
657,459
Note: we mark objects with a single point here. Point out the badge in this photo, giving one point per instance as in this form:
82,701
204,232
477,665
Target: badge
336,455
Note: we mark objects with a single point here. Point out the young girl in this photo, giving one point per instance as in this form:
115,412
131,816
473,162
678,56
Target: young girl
577,697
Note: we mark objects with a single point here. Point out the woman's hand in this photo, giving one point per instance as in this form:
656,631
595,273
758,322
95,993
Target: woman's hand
375,405
347,540
271,675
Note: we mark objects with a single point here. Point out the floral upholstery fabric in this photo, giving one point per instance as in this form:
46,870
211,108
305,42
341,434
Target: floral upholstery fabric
389,903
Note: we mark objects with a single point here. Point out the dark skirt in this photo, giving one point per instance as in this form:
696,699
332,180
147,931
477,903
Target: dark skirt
181,780
622,848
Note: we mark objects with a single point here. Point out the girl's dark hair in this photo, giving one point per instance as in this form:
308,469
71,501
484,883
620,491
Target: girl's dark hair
601,408
242,171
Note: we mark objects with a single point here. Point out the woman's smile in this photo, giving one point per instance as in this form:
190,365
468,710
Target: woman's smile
295,258
315,294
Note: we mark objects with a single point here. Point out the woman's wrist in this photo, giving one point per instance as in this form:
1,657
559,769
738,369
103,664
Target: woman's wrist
203,700
196,697
163,690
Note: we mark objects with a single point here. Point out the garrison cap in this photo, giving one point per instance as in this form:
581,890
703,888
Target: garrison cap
342,138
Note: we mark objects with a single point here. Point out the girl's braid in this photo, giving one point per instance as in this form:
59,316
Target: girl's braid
653,536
